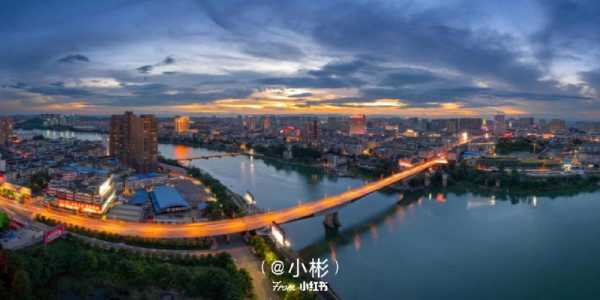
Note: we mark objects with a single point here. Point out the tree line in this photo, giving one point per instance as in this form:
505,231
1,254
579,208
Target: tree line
68,267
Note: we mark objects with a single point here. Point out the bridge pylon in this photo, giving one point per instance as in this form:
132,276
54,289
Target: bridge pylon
332,220
427,179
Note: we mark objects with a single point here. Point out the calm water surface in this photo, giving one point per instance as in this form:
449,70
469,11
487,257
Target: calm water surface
446,245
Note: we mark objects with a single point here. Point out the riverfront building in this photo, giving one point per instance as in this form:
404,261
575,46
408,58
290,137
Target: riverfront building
181,124
134,141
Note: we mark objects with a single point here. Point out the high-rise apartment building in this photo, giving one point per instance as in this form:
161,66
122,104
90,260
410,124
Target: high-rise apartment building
358,125
181,124
251,123
266,123
557,125
499,124
525,123
472,125
5,130
311,132
134,141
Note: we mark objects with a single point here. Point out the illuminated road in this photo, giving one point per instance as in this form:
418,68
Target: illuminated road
221,227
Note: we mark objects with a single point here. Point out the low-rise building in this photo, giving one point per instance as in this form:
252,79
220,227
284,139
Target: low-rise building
589,153
126,212
146,180
166,199
81,189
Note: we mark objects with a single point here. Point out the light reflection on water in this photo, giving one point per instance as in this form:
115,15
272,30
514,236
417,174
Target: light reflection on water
181,152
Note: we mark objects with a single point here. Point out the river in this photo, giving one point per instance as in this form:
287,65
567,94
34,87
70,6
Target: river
448,245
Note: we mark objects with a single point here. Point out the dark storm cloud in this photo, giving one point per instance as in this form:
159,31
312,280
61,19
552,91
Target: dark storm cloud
339,68
570,25
485,54
409,76
393,33
419,53
156,95
301,95
310,82
54,90
391,30
273,50
592,78
18,85
150,88
145,69
338,74
73,58
168,60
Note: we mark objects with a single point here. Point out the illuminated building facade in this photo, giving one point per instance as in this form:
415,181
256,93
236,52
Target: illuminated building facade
181,124
358,125
84,193
134,141
13,191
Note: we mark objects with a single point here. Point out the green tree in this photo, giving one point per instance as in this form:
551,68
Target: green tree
39,181
4,222
21,285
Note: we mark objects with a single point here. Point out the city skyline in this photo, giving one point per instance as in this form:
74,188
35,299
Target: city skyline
403,58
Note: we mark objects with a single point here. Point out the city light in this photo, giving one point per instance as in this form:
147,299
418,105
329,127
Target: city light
279,236
105,187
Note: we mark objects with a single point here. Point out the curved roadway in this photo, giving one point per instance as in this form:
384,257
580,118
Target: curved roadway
227,226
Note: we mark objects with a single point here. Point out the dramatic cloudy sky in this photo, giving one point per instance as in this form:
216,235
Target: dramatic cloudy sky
407,58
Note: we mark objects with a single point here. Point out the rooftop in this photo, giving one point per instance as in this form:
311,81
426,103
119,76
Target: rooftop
165,198
139,198
145,176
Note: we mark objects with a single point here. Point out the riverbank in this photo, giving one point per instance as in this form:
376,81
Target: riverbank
226,204
22,126
518,184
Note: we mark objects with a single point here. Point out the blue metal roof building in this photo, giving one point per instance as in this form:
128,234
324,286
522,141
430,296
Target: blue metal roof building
139,198
145,176
167,199
74,167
